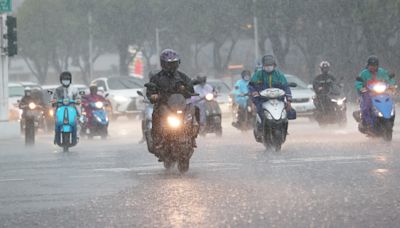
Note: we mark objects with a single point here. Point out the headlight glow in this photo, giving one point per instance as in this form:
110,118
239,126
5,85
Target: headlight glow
99,105
209,96
51,112
32,105
380,114
98,119
379,88
120,98
173,121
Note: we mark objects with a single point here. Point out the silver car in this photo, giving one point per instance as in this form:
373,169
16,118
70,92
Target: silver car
303,97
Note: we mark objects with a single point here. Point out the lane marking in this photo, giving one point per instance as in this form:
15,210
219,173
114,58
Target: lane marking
324,159
9,180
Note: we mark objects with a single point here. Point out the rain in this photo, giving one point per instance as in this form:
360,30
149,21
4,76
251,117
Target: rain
212,113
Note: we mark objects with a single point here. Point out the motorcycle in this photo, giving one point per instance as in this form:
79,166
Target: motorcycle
331,107
383,111
275,124
147,116
98,124
178,126
244,117
31,120
213,114
66,123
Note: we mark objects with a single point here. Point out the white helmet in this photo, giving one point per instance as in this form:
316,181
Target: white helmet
324,64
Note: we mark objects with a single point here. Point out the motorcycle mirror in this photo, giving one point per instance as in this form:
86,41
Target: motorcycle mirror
107,94
50,92
359,79
140,93
292,84
81,93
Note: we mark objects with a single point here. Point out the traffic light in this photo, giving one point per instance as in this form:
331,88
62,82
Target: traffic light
12,48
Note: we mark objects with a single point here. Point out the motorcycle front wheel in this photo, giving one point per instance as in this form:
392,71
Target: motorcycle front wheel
29,132
66,141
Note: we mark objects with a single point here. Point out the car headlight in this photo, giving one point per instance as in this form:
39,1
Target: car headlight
120,98
230,100
209,96
51,112
173,121
32,105
99,105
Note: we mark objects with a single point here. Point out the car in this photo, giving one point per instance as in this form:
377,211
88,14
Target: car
223,98
15,93
302,97
121,91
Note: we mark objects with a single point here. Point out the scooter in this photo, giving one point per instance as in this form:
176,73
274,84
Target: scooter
383,111
147,116
213,116
98,124
244,117
331,107
66,123
31,120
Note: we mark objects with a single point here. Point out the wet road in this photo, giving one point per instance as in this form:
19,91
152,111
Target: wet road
323,178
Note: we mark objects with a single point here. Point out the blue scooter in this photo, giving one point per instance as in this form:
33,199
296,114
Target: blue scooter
383,111
66,123
99,123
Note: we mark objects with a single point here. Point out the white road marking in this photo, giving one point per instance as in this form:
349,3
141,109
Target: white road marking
325,159
9,180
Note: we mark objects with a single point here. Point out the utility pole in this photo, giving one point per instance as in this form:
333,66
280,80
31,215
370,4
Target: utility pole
3,71
158,44
255,25
90,45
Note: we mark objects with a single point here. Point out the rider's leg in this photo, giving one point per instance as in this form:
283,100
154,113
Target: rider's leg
366,106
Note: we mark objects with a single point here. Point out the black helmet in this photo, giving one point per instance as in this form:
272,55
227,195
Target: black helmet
65,76
268,60
373,61
245,73
93,89
169,60
28,91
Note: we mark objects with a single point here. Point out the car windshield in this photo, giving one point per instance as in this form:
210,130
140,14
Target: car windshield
121,83
16,91
294,79
219,86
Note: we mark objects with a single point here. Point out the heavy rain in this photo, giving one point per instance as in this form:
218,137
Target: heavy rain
212,113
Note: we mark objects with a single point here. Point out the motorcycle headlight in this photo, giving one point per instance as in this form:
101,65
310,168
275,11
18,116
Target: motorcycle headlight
99,105
209,96
379,88
120,99
380,114
66,101
32,105
249,109
173,121
51,112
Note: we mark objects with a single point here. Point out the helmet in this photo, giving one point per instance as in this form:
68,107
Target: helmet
202,79
245,73
28,91
169,60
66,78
373,61
268,60
93,89
324,64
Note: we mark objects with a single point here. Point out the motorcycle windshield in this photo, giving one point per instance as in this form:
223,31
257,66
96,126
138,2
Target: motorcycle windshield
177,102
384,104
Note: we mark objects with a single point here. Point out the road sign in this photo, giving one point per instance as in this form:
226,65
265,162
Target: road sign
5,6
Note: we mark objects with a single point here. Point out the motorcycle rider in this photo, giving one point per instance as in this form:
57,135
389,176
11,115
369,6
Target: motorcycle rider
92,97
168,81
202,88
322,85
62,92
268,77
240,92
371,74
26,100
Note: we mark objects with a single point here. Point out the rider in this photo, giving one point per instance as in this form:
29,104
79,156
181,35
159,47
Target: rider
241,93
62,92
371,74
93,97
168,81
268,77
26,99
202,88
322,85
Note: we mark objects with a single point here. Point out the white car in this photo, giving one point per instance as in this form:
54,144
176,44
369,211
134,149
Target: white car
223,94
122,94
303,97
